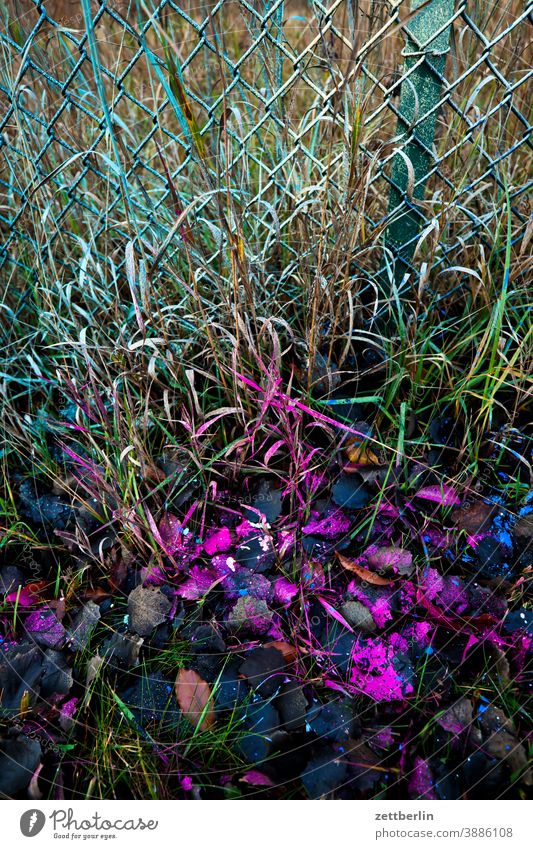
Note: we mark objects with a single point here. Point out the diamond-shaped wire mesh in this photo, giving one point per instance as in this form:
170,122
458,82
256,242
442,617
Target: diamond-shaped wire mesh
100,144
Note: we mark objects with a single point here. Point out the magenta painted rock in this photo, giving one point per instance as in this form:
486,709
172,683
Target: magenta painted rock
376,671
330,526
197,584
217,542
284,591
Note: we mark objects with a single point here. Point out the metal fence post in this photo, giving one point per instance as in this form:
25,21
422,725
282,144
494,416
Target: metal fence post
427,45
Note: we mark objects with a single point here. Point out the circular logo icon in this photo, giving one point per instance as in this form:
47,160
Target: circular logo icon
32,822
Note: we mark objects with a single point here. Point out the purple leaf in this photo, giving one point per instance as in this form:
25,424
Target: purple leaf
45,628
336,615
258,779
330,526
444,495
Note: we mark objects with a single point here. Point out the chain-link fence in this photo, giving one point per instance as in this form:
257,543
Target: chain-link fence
118,118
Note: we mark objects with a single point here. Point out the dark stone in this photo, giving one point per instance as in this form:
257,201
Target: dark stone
261,719
292,705
230,690
20,672
324,774
19,758
447,779
493,558
243,582
207,666
256,552
323,549
83,624
519,620
44,509
152,699
360,759
334,720
205,638
267,500
441,430
57,674
338,642
482,776
10,579
351,492
263,668
292,752
253,748
123,649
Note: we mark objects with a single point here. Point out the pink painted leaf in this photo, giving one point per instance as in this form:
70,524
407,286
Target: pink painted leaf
272,450
257,779
23,598
336,615
444,495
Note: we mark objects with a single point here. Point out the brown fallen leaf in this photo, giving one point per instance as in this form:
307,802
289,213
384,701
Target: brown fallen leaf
361,572
289,652
195,699
360,453
96,594
474,518
37,587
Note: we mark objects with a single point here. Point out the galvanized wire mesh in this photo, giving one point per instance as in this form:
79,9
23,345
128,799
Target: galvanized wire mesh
98,143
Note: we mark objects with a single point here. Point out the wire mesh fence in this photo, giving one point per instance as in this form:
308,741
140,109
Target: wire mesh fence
132,121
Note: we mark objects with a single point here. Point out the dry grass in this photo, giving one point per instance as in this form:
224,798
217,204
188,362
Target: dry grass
169,299
237,258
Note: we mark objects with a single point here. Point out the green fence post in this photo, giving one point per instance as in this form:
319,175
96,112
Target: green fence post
428,39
